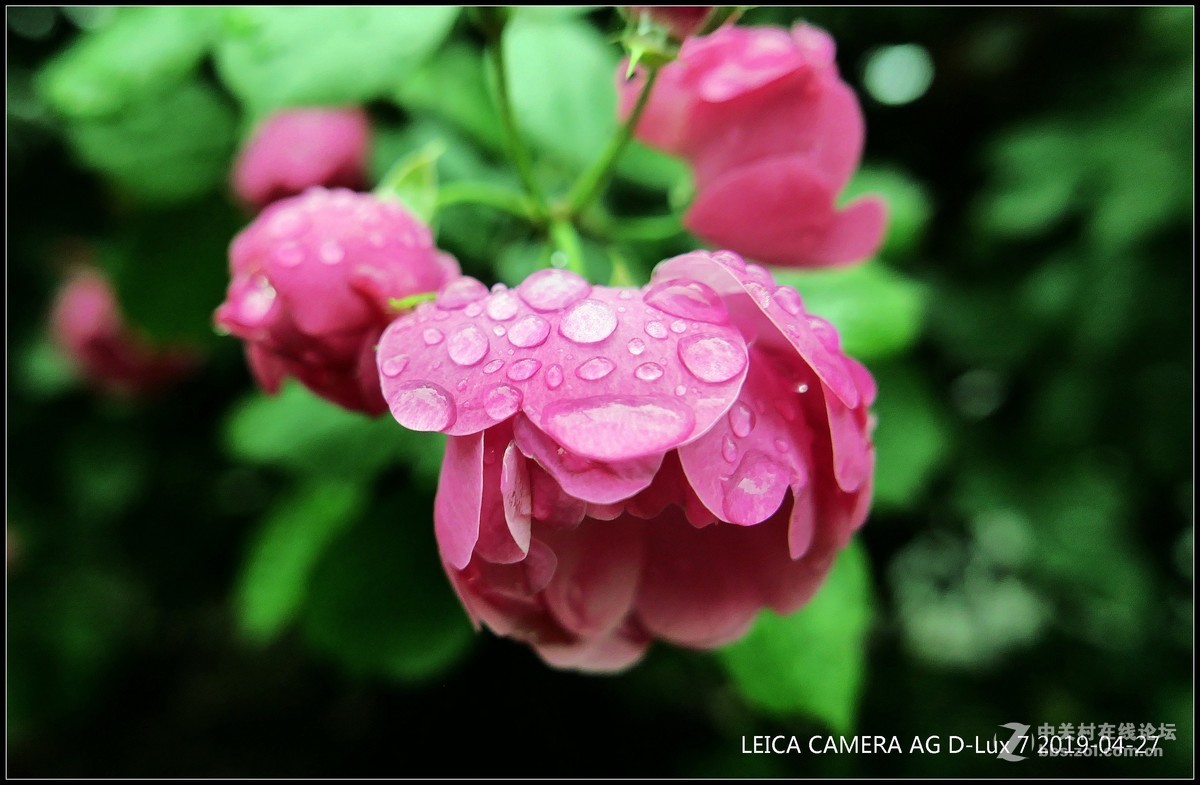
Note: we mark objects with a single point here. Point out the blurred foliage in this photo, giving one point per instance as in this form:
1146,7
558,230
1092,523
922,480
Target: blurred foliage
216,582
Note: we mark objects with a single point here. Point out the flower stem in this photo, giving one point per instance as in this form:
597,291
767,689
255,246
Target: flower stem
566,241
499,197
588,187
516,147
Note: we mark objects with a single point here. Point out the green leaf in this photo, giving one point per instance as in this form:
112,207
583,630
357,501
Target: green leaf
877,311
812,662
413,180
273,57
454,88
143,52
287,547
303,433
912,439
908,203
169,146
560,73
381,605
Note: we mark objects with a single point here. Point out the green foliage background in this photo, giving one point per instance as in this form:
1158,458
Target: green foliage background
217,583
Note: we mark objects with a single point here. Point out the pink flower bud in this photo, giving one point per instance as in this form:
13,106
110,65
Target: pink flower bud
312,280
773,135
87,324
298,148
632,464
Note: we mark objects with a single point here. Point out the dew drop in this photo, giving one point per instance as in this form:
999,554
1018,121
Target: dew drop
433,336
826,333
728,449
331,252
802,388
493,366
781,445
610,428
554,376
502,306
289,254
590,321
595,368
473,309
637,346
459,292
467,345
502,402
741,419
523,369
656,330
626,294
648,372
423,406
755,489
462,385
681,389
287,224
760,293
711,358
528,332
729,259
394,366
553,290
679,326
256,302
498,330
689,300
789,300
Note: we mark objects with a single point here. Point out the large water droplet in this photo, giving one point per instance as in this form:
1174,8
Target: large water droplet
423,406
637,346
789,300
741,419
553,290
755,490
528,332
467,345
712,358
648,372
590,321
656,330
394,366
331,252
554,376
689,300
502,402
728,448
523,369
460,292
432,336
595,368
610,428
493,366
502,306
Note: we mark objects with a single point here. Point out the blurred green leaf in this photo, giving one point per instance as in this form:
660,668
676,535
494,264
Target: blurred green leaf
169,146
912,439
652,168
381,605
287,547
812,662
560,73
908,204
306,434
877,311
44,370
453,87
273,57
142,53
413,180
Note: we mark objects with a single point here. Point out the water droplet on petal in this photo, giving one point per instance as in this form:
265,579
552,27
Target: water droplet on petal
802,388
473,309
711,358
625,294
523,369
528,332
781,445
502,402
637,346
394,366
656,330
287,224
433,336
553,290
331,252
459,292
789,300
493,366
679,326
498,331
728,449
648,372
554,376
688,299
289,254
590,321
760,293
255,305
467,345
462,385
618,427
755,490
729,259
423,406
826,333
502,306
681,389
595,368
741,419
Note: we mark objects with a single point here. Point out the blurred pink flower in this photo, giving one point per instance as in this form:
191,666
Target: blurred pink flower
312,277
630,464
298,148
87,325
773,135
680,20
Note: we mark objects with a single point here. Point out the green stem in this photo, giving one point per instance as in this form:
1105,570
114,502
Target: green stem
516,147
499,197
402,304
588,187
566,240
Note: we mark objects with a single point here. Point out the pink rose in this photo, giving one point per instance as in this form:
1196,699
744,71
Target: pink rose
630,464
87,324
312,278
680,20
298,148
773,135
